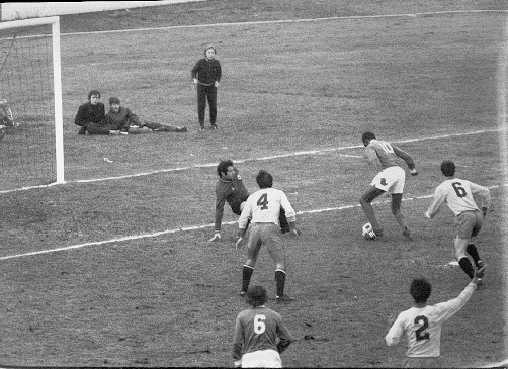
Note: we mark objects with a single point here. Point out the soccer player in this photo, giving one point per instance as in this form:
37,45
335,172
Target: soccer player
206,75
391,178
263,208
458,195
230,188
259,335
421,324
128,122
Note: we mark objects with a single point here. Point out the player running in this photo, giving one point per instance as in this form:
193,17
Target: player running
259,335
263,207
421,324
230,188
458,195
391,178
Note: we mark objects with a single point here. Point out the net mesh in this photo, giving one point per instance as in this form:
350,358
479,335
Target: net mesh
26,84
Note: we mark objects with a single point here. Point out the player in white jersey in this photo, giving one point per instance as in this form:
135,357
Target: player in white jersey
391,179
421,324
259,335
458,195
263,207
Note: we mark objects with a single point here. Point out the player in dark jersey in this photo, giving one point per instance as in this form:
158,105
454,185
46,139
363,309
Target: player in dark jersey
259,335
230,188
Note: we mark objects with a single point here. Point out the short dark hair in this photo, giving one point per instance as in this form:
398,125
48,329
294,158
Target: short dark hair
448,168
114,100
256,295
94,92
223,167
367,136
420,290
264,179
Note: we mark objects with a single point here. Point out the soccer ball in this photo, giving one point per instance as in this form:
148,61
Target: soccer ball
368,232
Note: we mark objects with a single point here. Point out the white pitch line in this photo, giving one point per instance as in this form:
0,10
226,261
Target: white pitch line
275,21
196,227
265,158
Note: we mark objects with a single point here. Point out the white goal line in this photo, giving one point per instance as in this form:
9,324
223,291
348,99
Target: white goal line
240,161
196,227
278,21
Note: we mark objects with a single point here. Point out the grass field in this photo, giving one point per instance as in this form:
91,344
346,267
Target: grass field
430,82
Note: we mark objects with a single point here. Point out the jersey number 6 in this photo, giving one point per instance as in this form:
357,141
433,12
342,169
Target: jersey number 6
259,323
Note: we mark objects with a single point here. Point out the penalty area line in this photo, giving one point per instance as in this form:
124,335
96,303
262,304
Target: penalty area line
264,158
196,227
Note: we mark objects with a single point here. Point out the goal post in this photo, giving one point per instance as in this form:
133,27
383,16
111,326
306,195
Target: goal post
31,82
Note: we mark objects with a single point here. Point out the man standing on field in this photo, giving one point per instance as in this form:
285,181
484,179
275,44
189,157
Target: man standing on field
263,208
421,324
391,178
458,195
259,335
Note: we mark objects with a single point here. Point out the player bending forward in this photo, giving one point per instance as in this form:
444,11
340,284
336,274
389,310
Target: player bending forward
263,207
259,335
391,178
458,195
421,324
230,188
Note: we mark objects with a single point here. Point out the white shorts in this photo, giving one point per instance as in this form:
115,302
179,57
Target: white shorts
391,180
261,359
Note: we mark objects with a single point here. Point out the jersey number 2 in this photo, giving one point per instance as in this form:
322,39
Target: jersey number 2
259,323
421,333
263,201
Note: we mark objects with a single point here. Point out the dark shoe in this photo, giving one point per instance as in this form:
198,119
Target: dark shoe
82,131
213,126
407,233
283,298
201,129
480,264
243,293
378,232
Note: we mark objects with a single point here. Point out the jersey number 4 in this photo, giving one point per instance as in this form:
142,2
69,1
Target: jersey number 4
421,333
263,201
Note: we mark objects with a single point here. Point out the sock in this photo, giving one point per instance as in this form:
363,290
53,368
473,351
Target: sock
280,278
246,274
473,251
466,266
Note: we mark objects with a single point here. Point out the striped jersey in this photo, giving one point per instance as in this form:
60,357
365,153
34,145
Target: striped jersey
264,207
422,325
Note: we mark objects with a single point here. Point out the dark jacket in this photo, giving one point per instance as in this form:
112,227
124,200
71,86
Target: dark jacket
207,71
88,113
123,119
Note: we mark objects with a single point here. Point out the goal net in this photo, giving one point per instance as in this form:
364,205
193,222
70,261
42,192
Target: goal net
31,144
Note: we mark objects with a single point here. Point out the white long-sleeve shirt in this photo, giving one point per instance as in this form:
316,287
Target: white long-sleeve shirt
458,195
422,325
264,207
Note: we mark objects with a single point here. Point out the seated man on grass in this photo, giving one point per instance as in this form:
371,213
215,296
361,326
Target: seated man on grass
90,117
128,122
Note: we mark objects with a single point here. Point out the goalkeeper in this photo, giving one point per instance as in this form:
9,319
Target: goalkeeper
127,122
230,188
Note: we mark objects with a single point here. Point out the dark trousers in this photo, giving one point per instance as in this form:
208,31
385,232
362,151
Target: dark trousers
207,93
